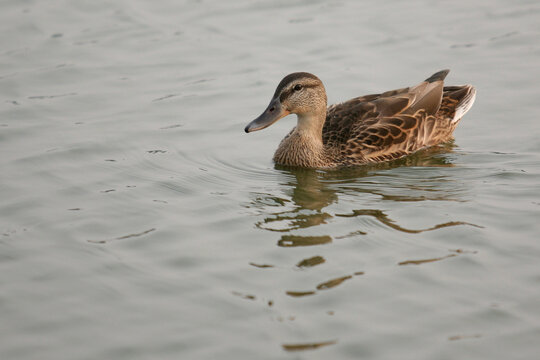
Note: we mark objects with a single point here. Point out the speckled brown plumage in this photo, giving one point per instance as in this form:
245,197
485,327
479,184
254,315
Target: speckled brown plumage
366,129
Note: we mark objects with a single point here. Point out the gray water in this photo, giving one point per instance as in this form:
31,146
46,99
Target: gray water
139,221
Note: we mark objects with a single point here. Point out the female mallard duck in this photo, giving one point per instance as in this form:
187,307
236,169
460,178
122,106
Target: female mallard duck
366,129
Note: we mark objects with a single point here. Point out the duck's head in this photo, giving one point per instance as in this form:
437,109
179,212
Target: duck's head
298,93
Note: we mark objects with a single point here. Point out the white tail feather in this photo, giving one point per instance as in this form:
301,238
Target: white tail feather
465,104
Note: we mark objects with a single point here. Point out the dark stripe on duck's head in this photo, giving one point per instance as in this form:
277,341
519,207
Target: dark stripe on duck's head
291,78
285,94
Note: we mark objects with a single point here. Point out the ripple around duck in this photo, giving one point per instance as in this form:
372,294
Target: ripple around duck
243,170
191,170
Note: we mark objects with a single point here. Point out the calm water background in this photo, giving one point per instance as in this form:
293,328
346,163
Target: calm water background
139,221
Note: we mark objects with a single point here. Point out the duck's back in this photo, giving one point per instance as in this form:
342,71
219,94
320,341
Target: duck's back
395,123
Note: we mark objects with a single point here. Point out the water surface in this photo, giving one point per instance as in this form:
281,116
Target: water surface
139,221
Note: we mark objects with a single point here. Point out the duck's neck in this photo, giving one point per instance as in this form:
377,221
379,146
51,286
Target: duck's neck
304,146
311,126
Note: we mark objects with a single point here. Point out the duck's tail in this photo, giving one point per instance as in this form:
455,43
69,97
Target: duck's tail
462,98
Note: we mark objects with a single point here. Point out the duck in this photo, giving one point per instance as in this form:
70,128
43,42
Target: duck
364,130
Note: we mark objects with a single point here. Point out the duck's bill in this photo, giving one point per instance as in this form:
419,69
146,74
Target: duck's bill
273,113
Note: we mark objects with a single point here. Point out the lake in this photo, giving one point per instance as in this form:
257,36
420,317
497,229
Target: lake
139,221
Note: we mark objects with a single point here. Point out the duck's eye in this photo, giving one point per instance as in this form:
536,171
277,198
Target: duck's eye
297,87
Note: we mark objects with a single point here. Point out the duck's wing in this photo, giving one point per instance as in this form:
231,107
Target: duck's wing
390,137
396,123
343,118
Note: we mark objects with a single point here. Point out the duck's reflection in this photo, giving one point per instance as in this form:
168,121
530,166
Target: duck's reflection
309,192
384,219
297,240
306,197
304,207
309,196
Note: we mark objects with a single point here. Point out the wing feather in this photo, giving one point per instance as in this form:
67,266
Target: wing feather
393,124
